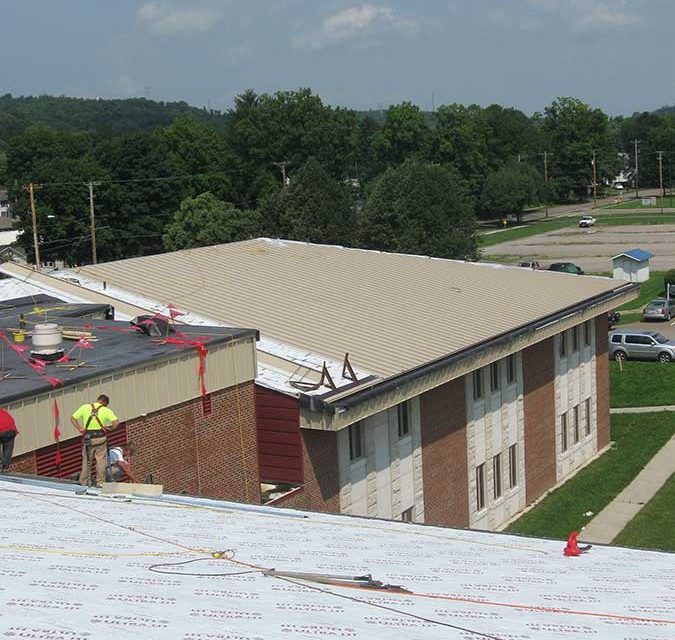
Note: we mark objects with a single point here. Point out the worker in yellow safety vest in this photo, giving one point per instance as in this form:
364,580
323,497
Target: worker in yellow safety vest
93,421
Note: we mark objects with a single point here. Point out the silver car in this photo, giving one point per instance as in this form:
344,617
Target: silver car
626,344
659,309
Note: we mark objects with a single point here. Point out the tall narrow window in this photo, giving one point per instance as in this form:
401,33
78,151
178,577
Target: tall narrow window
563,432
480,487
497,476
575,339
577,428
355,441
403,420
587,333
494,376
407,515
588,416
511,369
478,384
563,344
513,466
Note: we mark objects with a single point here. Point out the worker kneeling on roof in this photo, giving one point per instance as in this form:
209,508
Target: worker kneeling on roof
93,421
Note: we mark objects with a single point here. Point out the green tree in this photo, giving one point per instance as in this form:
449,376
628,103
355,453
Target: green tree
314,208
205,220
576,131
422,209
509,190
403,135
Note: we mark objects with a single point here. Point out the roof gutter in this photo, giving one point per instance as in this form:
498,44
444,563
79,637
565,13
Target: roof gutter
319,404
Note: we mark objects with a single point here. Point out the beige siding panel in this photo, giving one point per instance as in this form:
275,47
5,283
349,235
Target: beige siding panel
135,392
391,312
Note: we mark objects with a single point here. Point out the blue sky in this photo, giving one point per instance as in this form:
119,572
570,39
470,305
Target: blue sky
615,54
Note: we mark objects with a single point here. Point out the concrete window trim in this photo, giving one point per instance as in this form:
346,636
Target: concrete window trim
588,418
564,440
356,442
480,488
562,344
495,377
511,370
477,385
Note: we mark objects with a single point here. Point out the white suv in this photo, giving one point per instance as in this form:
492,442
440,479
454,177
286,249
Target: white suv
586,221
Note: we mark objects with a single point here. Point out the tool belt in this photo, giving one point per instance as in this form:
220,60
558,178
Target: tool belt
95,434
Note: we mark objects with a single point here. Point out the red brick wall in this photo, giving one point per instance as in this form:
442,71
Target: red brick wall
540,418
602,380
321,490
187,452
444,455
24,463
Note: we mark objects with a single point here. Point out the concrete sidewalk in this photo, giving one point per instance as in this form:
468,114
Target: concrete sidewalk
618,513
667,407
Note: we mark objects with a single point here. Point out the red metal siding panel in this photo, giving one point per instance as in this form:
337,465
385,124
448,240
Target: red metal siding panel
279,440
71,455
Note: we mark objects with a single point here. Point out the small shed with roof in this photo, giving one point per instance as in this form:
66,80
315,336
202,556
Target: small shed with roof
632,265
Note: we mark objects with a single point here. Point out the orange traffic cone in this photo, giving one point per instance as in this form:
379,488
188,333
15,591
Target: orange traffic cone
572,548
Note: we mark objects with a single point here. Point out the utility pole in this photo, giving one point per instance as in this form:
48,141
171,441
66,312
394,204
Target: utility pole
661,177
636,142
92,222
595,183
31,190
282,166
546,178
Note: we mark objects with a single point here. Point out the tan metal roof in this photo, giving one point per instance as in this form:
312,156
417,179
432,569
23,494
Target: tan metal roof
391,312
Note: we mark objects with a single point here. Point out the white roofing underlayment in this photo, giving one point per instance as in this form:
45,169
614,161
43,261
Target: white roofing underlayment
78,567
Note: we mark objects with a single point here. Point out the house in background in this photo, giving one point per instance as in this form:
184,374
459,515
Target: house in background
5,210
386,386
632,266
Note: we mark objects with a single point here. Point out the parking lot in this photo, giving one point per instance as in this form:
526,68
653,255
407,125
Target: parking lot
592,249
666,328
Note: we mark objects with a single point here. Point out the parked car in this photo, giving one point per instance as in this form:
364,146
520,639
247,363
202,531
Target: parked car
533,264
587,221
627,344
659,309
566,267
613,318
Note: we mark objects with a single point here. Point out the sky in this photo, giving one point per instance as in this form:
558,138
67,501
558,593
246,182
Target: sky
614,54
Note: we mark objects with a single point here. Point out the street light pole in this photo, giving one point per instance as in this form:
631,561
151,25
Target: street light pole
661,178
92,222
595,183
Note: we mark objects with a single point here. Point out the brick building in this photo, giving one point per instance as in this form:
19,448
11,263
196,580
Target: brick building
396,386
188,442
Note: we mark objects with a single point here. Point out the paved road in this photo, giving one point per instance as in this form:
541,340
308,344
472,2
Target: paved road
592,249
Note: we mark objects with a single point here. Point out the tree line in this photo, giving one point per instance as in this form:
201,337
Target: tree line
171,176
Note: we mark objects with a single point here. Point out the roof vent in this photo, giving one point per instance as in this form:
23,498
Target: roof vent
152,326
47,342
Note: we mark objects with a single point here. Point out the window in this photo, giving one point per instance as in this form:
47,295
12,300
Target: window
407,515
638,340
497,476
478,384
480,487
511,369
355,441
563,432
403,420
494,376
513,466
587,333
577,435
563,344
616,339
575,339
588,416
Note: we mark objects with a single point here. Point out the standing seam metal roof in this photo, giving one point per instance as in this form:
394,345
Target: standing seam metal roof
391,312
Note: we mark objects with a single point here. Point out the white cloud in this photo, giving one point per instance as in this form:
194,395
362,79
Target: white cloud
353,23
164,17
591,15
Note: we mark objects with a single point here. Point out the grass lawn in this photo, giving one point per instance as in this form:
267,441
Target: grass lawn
641,384
628,318
623,219
652,528
668,202
653,288
637,438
